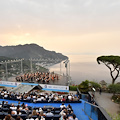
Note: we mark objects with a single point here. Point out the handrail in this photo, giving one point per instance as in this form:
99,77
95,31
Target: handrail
79,93
102,114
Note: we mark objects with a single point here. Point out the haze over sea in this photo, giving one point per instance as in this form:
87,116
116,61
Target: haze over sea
84,67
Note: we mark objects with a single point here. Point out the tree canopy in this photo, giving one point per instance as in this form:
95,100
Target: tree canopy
113,63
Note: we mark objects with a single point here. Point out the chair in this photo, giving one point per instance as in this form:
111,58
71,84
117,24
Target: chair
57,108
2,116
56,117
34,117
14,116
57,112
23,112
23,116
0,109
48,118
5,109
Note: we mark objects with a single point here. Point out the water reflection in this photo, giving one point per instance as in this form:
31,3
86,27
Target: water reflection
83,67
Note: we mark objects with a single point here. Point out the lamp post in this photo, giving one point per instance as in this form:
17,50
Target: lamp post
60,68
22,66
66,66
6,70
31,64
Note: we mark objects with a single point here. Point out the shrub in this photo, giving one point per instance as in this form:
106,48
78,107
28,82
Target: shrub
73,88
116,98
114,88
84,86
94,84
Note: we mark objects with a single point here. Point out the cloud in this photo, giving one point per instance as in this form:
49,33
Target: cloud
80,26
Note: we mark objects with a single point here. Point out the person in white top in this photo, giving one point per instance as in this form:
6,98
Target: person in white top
62,106
69,97
39,99
13,107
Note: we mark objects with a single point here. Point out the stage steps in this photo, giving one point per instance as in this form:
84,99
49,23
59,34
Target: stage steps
23,88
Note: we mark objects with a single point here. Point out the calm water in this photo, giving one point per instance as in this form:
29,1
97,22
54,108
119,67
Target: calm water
83,67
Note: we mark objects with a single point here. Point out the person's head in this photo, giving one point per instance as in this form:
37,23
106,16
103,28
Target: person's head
34,112
65,117
24,106
12,105
18,118
8,117
18,107
74,116
69,105
6,102
48,110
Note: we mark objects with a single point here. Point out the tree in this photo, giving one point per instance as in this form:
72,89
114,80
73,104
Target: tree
113,63
84,86
114,88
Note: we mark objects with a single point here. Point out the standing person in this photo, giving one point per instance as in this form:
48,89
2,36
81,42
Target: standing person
100,91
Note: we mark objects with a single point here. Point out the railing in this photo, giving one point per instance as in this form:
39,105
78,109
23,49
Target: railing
79,93
95,112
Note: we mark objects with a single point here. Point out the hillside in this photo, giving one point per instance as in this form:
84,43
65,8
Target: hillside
28,51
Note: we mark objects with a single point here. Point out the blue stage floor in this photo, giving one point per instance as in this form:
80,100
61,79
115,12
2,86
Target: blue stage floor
77,107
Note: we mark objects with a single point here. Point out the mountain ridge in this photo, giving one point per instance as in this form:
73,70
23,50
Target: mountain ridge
28,51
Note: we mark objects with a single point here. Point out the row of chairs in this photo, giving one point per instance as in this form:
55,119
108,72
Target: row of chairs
45,101
25,116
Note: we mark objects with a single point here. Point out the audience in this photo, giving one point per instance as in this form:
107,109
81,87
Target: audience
37,97
66,113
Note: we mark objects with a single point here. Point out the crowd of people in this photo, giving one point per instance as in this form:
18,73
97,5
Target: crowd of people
39,77
38,97
24,112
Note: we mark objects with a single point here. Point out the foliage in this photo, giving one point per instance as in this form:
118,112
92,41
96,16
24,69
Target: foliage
116,98
94,84
115,117
73,87
114,88
113,64
84,86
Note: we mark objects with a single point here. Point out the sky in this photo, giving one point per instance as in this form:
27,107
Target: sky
78,27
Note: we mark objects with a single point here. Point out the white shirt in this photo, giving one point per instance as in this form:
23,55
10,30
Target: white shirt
62,106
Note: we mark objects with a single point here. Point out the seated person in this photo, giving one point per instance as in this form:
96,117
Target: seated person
28,98
69,107
49,114
63,99
62,106
42,113
11,112
74,117
18,112
13,107
70,113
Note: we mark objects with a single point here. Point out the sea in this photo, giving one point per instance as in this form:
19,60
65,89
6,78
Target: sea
83,67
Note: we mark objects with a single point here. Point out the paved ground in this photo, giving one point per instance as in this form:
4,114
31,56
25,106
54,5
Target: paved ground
104,100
